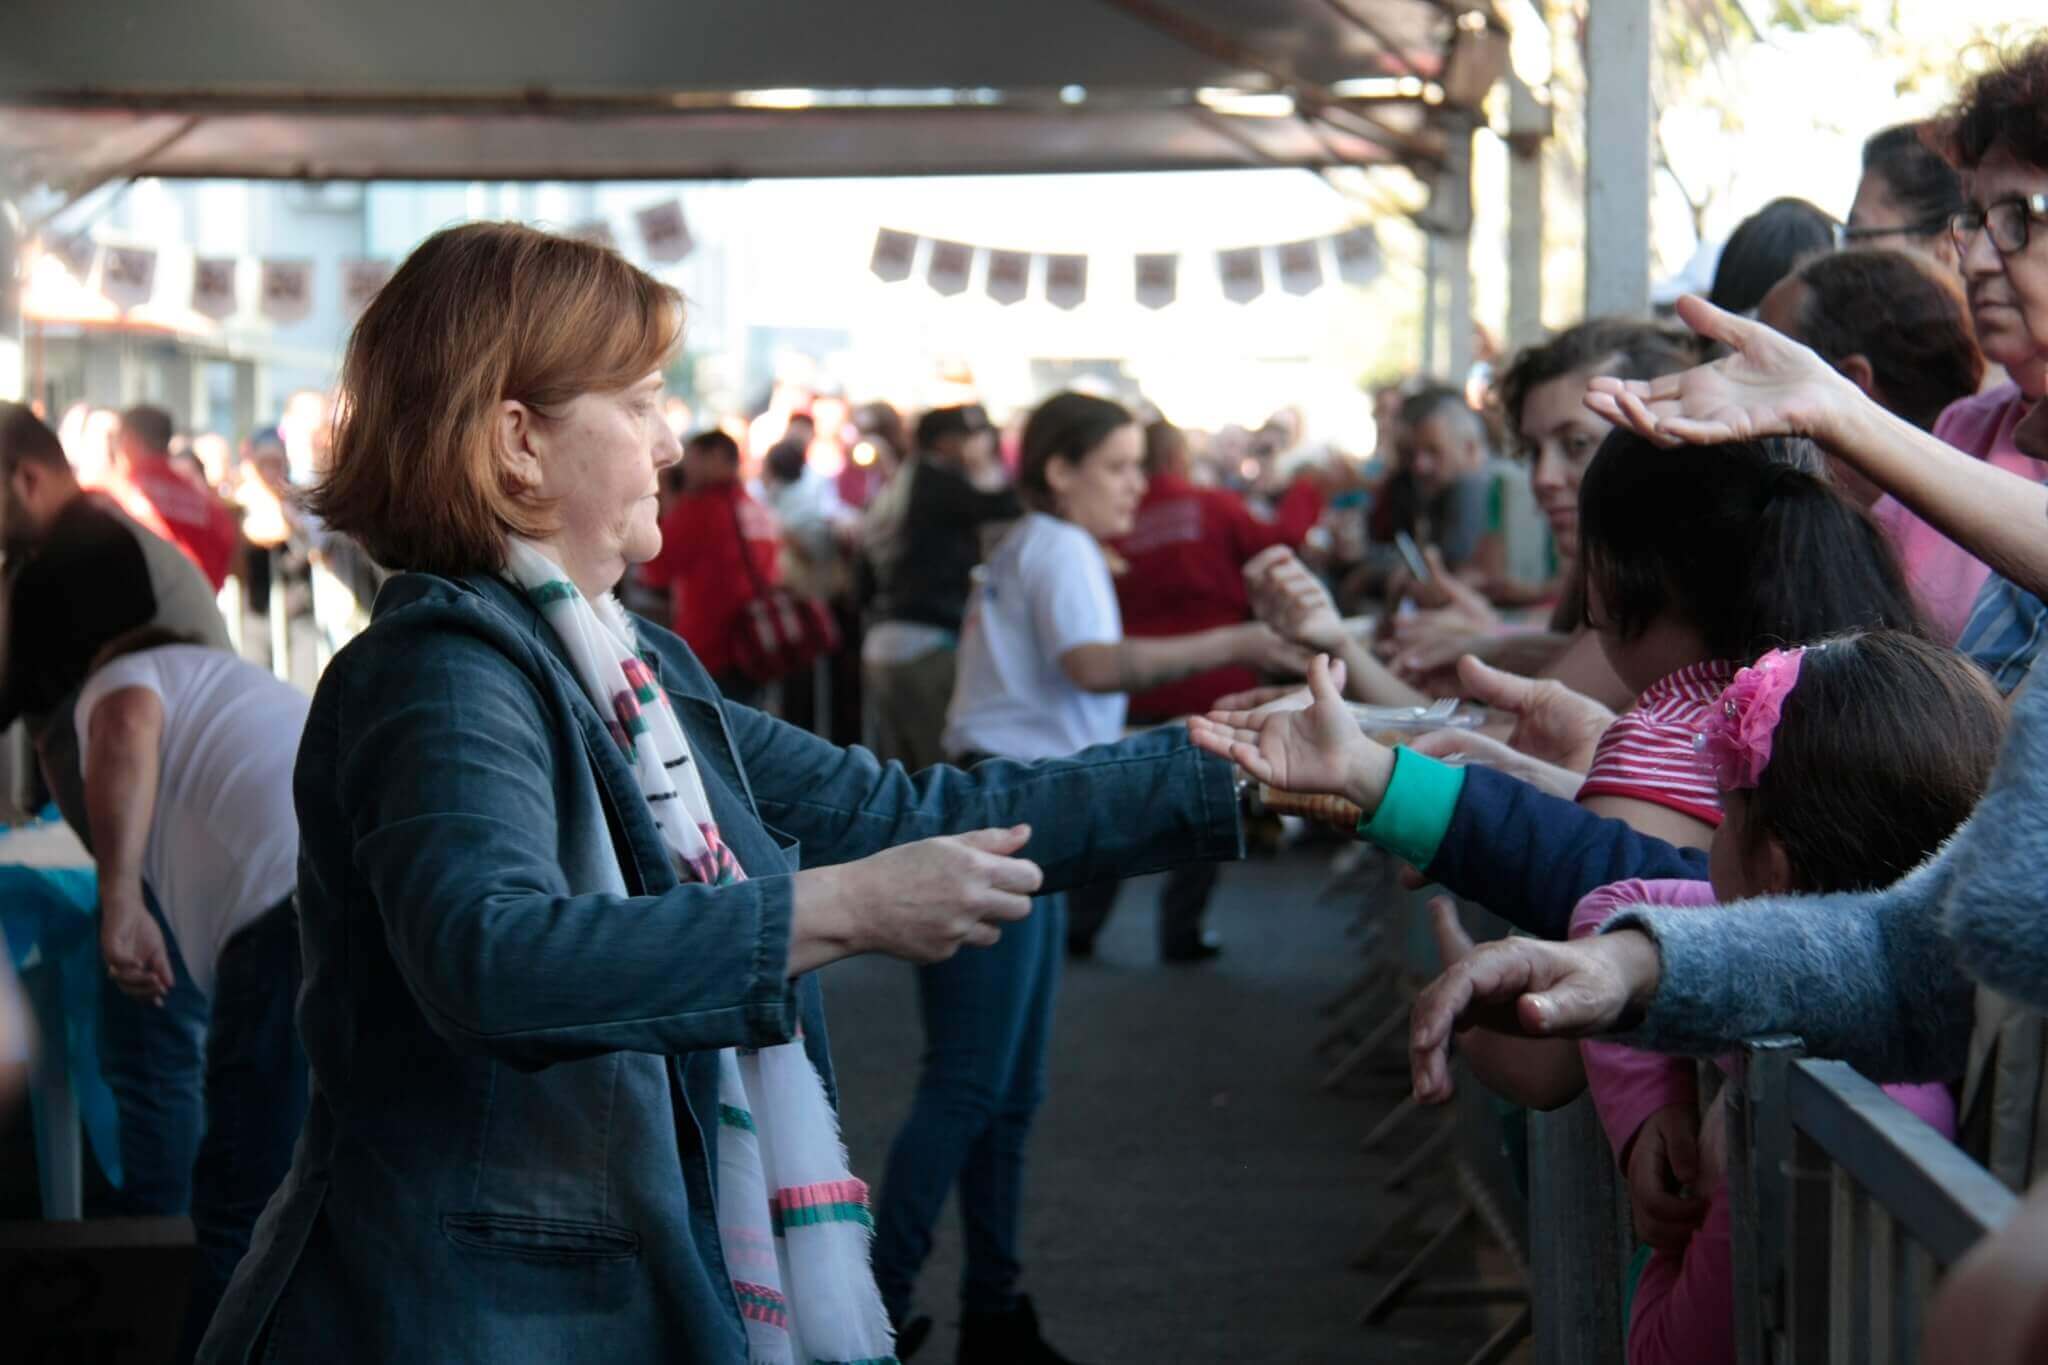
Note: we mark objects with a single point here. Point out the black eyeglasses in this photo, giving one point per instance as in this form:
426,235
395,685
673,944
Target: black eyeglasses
2009,221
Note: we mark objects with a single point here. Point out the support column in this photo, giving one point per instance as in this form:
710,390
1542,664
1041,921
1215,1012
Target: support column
1451,210
1432,271
13,358
1528,129
1617,157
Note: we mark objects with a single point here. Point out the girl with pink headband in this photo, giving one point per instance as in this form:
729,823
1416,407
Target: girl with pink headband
1840,767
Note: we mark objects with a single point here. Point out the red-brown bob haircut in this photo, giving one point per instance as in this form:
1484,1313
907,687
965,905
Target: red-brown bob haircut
477,315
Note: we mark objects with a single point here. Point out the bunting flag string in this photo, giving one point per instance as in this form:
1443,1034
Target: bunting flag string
1298,267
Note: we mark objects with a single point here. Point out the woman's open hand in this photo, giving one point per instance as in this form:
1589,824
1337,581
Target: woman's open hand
1531,987
922,901
1287,596
1318,750
1770,386
1553,724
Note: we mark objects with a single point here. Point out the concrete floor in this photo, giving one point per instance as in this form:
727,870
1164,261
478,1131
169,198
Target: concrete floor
1195,1197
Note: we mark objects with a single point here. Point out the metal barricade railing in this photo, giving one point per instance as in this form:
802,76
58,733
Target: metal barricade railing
1845,1208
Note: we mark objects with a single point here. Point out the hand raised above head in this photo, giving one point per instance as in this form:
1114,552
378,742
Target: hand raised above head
1768,385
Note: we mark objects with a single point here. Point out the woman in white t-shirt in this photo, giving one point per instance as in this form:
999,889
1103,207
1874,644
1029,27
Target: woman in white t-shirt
1044,671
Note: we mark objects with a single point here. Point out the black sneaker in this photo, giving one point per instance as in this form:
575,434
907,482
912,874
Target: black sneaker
1008,1338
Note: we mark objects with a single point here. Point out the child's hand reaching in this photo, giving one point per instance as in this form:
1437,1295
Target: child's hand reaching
1664,1164
1319,750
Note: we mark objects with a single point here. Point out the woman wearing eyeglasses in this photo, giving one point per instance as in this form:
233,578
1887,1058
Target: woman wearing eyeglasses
1977,479
1906,197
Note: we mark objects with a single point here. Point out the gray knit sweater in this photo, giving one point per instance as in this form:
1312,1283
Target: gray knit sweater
1881,979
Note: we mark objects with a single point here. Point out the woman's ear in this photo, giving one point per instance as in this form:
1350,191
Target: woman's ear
1772,868
1059,477
1858,371
515,440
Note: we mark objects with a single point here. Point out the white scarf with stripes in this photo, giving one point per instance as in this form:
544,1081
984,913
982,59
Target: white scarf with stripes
793,1222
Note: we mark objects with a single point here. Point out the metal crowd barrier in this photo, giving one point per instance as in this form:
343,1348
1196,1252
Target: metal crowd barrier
1845,1208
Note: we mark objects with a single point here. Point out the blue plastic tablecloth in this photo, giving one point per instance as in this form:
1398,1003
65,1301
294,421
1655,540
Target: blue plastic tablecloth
47,918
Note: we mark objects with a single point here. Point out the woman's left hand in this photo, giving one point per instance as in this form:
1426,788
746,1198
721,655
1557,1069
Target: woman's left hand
1317,750
1769,385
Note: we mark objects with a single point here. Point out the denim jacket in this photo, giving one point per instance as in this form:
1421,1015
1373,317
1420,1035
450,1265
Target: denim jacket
508,1155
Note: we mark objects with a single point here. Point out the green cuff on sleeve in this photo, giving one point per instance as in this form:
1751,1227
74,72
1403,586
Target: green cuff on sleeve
1416,811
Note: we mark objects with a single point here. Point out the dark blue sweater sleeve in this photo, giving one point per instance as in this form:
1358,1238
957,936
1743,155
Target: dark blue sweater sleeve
1529,856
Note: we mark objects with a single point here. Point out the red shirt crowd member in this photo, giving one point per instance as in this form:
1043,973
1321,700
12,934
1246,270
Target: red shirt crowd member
710,533
151,489
1186,558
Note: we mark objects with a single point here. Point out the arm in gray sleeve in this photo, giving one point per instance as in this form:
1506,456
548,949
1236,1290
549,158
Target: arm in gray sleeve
1882,979
1867,977
1996,909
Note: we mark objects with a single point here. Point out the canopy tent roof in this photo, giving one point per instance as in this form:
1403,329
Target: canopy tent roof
620,89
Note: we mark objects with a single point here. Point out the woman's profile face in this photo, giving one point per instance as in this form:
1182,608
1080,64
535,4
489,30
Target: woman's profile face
2008,292
1100,492
601,461
1561,435
1881,221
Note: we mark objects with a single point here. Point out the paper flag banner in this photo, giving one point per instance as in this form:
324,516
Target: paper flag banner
1009,275
77,251
287,290
1158,278
360,281
128,276
663,232
1301,266
1066,280
893,253
947,272
1358,255
1243,273
597,232
213,286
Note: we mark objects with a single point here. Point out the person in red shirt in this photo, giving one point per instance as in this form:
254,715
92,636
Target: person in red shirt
1185,559
151,489
706,532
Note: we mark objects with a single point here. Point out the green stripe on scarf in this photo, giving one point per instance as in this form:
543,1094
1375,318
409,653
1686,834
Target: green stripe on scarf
815,1214
554,590
735,1118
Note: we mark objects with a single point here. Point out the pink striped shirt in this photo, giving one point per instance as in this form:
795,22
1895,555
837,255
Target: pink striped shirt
1651,751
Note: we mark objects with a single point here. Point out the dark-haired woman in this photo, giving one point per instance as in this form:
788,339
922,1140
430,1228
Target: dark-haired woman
1044,671
1906,196
1897,327
1766,247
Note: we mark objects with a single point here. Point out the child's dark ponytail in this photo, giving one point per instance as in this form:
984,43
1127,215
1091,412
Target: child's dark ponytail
1746,542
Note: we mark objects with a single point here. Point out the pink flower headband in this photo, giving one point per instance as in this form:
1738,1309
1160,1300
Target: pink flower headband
1737,742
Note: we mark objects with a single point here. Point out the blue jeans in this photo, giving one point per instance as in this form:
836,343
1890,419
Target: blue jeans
211,1099
154,1060
987,1023
256,1096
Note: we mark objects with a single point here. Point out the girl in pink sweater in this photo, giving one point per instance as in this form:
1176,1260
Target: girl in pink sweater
1833,762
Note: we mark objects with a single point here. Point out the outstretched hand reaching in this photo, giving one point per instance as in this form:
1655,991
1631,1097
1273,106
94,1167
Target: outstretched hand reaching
1317,750
1769,385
